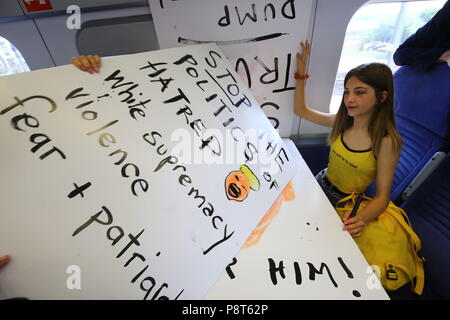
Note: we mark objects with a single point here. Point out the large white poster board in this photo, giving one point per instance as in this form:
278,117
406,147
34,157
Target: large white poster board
260,38
141,182
299,251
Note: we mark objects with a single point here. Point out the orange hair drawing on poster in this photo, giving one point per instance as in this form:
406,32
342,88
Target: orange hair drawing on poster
288,194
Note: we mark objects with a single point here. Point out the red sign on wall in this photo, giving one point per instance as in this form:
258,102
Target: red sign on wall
37,5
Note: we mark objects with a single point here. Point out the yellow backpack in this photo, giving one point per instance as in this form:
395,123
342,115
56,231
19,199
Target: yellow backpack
389,245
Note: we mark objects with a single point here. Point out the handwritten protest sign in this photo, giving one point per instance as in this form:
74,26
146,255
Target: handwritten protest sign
299,251
141,182
260,38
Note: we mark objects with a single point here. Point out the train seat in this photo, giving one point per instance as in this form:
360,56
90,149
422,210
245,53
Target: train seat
422,112
429,211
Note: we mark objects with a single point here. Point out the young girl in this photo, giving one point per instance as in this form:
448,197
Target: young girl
364,142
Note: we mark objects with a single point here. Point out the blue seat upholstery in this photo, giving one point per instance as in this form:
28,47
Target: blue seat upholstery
422,109
422,112
429,212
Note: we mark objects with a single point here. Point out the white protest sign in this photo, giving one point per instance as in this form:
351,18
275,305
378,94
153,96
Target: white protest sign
299,251
141,182
260,38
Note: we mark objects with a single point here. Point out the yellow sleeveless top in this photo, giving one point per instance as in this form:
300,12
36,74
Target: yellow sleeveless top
350,170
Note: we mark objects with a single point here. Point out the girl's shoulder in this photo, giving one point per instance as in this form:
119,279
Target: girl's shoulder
387,140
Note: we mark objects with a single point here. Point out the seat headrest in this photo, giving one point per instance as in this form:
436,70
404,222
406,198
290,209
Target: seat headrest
424,97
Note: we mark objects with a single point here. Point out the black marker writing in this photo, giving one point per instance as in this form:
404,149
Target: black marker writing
128,94
184,180
21,103
228,268
287,11
156,73
24,121
115,234
106,140
279,269
356,293
232,42
79,190
313,271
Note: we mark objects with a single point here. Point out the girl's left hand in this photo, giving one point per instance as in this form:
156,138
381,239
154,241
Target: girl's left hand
354,225
4,260
302,57
90,63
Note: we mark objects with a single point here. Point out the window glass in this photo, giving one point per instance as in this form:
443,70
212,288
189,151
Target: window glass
117,36
11,60
375,32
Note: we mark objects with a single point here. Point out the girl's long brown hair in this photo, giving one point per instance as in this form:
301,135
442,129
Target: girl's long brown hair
382,123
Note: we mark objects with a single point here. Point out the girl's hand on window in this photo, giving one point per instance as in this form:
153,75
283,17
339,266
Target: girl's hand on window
302,57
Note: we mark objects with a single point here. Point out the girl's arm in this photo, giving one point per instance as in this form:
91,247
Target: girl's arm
300,107
386,163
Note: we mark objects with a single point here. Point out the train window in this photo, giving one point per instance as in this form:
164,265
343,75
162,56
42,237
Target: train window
117,36
374,33
11,60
